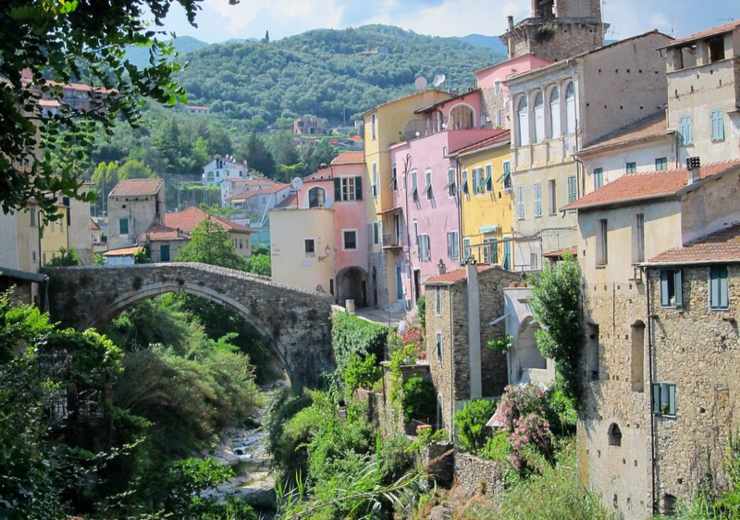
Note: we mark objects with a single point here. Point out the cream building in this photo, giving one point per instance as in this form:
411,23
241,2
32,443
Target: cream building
560,109
133,206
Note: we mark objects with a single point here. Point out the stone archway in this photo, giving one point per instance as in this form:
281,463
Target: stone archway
296,323
352,283
525,357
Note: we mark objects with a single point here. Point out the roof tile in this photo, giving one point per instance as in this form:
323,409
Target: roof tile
456,276
650,127
134,187
188,219
719,247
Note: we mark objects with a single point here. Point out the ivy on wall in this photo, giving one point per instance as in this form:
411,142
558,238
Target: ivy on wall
351,335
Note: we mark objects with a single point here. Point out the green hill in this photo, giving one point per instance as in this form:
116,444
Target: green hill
334,74
139,56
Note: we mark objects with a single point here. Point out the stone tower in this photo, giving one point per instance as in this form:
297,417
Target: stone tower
557,29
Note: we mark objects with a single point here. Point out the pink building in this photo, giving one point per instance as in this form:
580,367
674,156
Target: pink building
491,82
422,230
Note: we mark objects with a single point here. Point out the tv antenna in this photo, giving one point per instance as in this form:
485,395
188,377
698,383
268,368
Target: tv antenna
438,80
421,83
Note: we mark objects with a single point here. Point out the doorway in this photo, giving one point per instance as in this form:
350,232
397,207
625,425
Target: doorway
417,284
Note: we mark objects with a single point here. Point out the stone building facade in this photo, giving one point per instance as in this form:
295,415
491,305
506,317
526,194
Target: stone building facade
624,227
461,312
134,205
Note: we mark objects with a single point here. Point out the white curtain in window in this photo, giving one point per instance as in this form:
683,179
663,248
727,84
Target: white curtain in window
523,121
555,113
570,108
539,118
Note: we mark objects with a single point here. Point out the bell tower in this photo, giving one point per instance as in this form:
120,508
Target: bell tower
557,29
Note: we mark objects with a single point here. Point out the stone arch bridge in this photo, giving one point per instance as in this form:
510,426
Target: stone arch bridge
296,322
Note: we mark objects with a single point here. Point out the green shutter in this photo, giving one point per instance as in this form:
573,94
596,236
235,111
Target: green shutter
664,299
678,287
656,399
358,188
671,399
337,189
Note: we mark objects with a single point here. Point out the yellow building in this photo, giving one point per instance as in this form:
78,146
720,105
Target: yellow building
384,125
69,232
486,200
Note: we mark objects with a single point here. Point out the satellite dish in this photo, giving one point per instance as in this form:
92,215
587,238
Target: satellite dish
421,83
439,79
296,184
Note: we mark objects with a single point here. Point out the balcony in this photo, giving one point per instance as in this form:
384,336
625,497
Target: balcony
392,241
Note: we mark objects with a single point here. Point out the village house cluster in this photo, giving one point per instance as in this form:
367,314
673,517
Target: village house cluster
624,155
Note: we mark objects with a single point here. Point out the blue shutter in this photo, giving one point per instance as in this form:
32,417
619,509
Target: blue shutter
718,288
656,399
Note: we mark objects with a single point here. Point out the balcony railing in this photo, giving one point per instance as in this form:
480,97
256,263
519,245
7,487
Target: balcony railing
391,241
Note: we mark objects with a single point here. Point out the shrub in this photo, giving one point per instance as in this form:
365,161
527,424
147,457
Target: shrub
497,447
64,258
561,410
470,423
531,431
352,335
400,355
396,457
421,311
361,372
500,344
419,399
518,401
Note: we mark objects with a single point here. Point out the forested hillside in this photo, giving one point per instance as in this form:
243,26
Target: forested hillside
334,74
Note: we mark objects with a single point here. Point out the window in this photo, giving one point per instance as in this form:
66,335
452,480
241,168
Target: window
123,226
718,289
414,186
425,246
671,288
348,188
507,253
664,399
507,175
555,113
716,49
602,256
373,124
394,177
349,237
476,180
615,435
686,131
316,197
32,216
375,181
539,118
376,233
467,250
630,167
523,121
520,203
490,251
453,245
439,345
428,184
537,200
451,186
438,301
638,243
309,247
164,253
637,359
718,127
570,109
553,196
661,164
572,188
489,178
598,178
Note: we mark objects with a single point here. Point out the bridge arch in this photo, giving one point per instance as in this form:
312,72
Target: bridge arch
296,323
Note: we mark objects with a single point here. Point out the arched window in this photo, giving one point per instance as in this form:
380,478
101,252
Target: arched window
637,360
615,435
523,121
462,118
555,113
539,118
570,109
316,197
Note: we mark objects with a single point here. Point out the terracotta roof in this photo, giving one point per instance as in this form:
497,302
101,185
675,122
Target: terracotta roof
436,104
558,253
248,194
456,276
124,251
648,128
352,157
158,232
133,187
322,174
287,202
719,247
403,98
720,29
500,136
93,225
49,103
646,186
188,219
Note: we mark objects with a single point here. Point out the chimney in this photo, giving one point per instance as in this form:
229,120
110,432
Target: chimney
510,22
693,165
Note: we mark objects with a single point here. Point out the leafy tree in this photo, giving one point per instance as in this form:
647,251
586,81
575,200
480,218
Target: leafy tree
210,244
556,307
65,257
260,263
135,169
67,40
258,156
470,423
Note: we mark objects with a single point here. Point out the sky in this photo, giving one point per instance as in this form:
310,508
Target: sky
218,21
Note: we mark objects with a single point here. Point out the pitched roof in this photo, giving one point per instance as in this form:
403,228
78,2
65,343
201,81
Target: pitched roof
713,31
322,174
350,157
403,98
500,136
124,251
134,187
158,232
436,104
456,276
287,202
93,226
646,186
188,219
646,129
559,253
719,247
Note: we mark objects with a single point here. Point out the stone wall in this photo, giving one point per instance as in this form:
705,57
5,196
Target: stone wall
698,350
478,476
296,323
441,367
